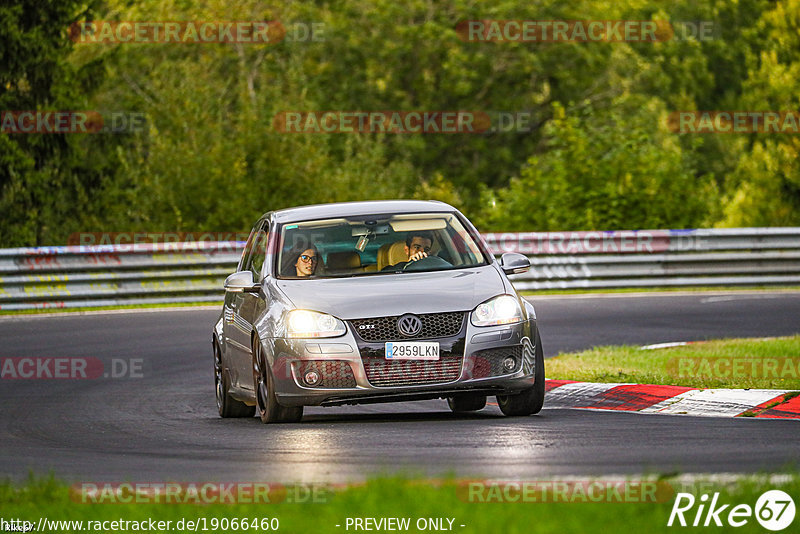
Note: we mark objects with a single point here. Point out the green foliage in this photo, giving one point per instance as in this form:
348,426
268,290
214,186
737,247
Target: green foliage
610,169
597,155
764,188
47,181
768,191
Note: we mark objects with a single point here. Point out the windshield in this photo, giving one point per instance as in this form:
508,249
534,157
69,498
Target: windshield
330,248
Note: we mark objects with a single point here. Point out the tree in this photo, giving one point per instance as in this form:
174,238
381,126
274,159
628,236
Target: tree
613,169
764,188
46,180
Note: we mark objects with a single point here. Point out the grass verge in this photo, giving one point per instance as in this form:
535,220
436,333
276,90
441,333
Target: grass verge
730,363
510,511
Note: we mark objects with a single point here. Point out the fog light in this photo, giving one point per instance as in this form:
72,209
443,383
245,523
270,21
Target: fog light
509,363
312,378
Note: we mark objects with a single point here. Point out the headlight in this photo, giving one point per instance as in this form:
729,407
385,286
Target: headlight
499,310
304,323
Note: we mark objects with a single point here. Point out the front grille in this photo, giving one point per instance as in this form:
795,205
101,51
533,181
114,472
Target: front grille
390,373
334,373
486,363
385,328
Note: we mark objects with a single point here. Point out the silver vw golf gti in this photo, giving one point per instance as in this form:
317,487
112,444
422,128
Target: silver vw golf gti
365,302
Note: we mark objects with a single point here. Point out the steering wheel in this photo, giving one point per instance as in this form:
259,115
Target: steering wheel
426,263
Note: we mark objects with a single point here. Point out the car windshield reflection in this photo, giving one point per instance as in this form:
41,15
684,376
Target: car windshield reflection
342,248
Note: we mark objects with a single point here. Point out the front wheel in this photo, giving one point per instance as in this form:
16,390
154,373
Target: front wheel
531,400
266,402
227,405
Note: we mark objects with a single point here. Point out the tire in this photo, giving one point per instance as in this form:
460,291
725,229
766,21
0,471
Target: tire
466,403
227,405
531,400
267,406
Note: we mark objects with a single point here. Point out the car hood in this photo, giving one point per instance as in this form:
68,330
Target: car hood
395,294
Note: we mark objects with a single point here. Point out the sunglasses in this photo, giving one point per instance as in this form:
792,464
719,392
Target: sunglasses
306,257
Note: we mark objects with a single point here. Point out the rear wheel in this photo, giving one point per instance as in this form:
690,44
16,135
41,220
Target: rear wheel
227,405
466,403
531,400
267,405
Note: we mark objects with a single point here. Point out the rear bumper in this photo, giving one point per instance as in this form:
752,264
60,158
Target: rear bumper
352,371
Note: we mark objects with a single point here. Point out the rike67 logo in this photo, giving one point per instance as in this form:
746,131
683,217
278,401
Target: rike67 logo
774,510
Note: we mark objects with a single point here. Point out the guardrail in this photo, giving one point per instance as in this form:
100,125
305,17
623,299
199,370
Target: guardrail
655,258
112,275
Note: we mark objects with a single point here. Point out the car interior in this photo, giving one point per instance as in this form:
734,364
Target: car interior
355,247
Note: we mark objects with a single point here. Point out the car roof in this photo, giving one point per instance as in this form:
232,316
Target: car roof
359,209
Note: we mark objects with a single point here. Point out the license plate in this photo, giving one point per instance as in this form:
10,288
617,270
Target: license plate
412,350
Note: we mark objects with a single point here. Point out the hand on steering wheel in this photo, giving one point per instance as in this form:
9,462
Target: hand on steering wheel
418,256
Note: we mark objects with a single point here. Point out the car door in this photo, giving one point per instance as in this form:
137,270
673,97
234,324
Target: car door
227,341
231,340
244,306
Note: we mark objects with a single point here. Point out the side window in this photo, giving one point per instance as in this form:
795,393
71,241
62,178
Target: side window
259,253
248,249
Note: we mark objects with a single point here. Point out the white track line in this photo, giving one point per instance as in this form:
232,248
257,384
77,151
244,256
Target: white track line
665,345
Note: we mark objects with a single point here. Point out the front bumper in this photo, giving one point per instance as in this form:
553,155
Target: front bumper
354,371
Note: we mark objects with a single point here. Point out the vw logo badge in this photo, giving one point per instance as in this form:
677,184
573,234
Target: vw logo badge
409,325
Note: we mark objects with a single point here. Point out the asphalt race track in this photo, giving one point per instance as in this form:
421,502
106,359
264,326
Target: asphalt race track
163,425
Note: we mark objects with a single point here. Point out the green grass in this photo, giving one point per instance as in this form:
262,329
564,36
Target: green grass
400,497
734,363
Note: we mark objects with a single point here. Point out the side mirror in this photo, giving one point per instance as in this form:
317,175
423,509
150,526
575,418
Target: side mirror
241,282
513,263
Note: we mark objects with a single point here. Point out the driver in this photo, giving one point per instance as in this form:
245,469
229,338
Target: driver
301,261
418,246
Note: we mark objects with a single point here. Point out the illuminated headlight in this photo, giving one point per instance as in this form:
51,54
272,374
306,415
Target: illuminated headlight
304,323
499,310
